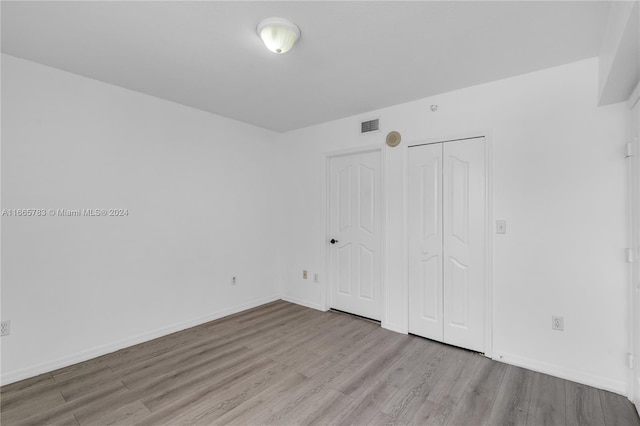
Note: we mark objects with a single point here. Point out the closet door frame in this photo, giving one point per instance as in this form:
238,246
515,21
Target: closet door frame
485,137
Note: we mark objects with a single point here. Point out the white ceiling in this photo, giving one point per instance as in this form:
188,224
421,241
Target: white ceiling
352,57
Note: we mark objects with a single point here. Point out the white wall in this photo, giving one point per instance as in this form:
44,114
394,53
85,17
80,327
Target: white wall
199,189
620,53
209,198
559,181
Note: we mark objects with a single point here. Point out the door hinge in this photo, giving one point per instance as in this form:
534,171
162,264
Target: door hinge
628,150
632,255
630,360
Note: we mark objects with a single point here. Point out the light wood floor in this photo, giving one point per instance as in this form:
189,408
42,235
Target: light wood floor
286,364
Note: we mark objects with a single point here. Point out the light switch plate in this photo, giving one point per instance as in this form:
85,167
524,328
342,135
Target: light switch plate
501,226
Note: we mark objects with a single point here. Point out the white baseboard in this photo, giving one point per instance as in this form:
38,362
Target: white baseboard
600,382
25,373
311,305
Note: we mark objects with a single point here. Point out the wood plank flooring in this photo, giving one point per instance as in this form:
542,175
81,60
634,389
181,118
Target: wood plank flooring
283,364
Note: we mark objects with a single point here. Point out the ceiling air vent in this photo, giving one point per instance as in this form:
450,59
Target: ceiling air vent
370,126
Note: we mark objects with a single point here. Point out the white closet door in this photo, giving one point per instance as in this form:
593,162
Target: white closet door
464,243
425,241
446,225
355,212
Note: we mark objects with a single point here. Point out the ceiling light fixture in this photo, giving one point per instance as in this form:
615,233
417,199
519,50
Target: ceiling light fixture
278,34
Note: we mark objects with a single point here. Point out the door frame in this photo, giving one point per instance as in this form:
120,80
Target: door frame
328,156
634,267
488,206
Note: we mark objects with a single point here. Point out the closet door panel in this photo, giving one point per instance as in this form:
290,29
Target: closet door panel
425,241
464,243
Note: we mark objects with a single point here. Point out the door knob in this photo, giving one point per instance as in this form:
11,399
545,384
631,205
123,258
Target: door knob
333,241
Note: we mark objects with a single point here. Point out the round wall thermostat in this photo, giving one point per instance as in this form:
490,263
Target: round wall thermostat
393,139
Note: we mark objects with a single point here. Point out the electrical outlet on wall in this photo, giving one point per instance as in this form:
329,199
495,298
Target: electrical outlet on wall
557,323
234,280
304,274
5,328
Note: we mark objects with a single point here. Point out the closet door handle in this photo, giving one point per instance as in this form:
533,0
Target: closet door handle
333,241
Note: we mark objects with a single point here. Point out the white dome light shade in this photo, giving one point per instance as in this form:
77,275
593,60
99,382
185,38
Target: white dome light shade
278,34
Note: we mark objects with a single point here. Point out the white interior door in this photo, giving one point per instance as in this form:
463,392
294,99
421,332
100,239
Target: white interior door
355,208
425,241
464,243
447,217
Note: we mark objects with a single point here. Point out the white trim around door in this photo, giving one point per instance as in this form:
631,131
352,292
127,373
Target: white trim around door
633,172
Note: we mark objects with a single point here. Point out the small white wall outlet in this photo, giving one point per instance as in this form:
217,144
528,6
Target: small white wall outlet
304,274
501,226
5,328
316,278
234,280
557,323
